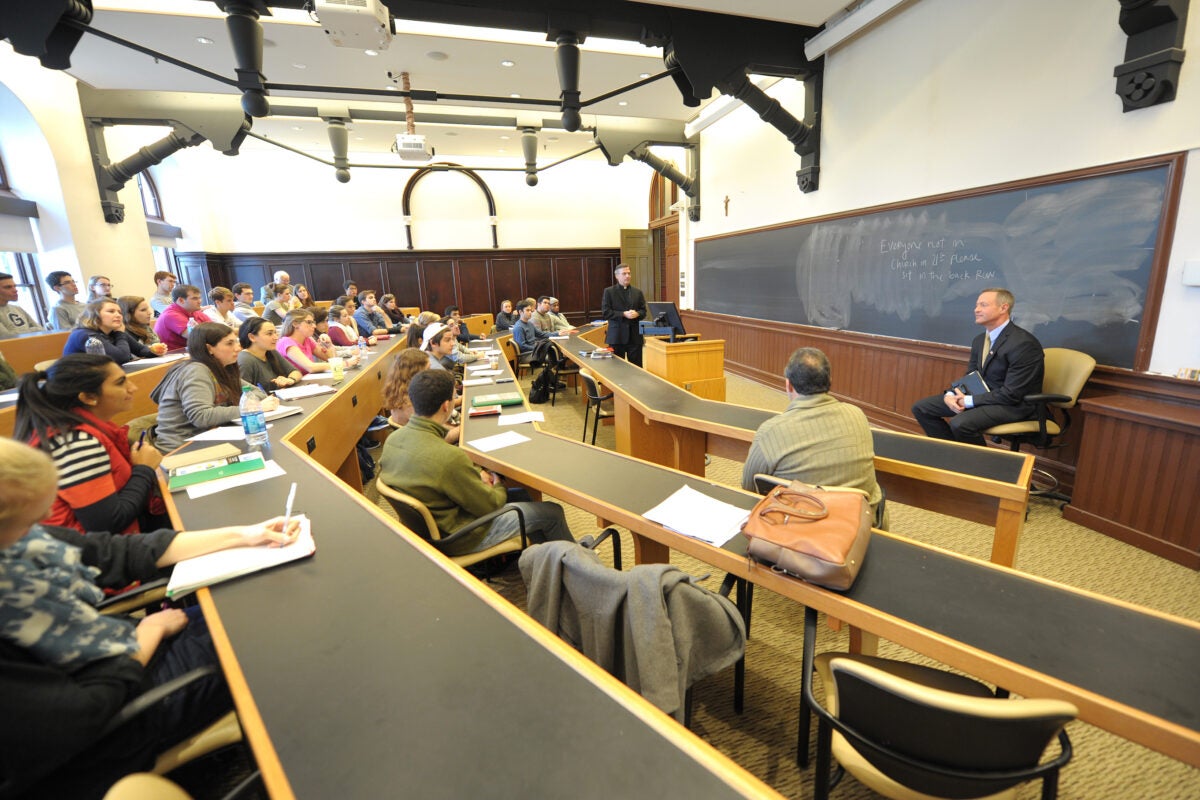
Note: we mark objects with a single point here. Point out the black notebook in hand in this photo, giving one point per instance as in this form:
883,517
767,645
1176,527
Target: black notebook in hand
971,383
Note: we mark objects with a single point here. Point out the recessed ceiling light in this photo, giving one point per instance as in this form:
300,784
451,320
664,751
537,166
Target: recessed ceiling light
514,95
360,138
298,65
551,138
204,40
297,128
505,137
644,75
507,63
436,55
391,87
371,52
452,133
501,150
622,102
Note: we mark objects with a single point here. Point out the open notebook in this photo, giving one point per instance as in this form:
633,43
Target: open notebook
191,574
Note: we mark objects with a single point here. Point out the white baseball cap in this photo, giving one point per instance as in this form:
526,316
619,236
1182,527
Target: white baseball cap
433,331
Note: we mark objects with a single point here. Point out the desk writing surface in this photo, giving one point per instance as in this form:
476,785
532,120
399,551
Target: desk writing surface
1131,670
378,674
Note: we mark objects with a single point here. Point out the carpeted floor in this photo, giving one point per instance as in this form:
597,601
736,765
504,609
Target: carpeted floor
762,739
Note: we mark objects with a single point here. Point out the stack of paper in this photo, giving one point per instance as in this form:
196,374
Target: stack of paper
296,392
699,516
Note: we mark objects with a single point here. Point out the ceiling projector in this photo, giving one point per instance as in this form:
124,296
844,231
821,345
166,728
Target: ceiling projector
361,24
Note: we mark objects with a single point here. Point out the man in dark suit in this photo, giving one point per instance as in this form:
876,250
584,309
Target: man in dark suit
1012,365
624,306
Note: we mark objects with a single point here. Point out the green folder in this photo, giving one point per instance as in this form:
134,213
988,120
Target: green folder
183,477
502,399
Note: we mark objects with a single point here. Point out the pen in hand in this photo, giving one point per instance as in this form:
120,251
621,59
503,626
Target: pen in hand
287,509
142,438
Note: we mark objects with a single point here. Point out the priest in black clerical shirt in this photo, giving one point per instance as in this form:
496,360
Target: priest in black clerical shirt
624,306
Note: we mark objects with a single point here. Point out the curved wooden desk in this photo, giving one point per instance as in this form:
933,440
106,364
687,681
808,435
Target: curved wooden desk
378,668
660,422
1130,670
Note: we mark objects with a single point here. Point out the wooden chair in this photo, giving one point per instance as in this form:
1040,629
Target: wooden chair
42,366
913,732
415,516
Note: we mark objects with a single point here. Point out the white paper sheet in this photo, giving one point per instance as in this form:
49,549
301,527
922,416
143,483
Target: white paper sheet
296,392
270,470
488,373
318,376
167,359
476,381
192,573
699,516
225,433
523,417
11,395
497,441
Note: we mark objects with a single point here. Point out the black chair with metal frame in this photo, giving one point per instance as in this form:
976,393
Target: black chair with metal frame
908,731
594,400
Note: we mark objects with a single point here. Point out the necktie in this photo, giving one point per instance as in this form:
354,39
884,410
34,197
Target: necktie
987,347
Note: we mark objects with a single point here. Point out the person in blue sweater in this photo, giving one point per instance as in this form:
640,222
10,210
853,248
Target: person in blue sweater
103,320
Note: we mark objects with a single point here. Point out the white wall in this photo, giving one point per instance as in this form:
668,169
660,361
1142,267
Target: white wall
953,94
71,226
267,199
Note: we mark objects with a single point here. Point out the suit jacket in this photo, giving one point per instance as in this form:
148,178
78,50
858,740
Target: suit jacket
1014,367
614,304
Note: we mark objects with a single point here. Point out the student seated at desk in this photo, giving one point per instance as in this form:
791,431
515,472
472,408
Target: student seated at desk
302,298
104,484
321,334
204,391
505,318
259,362
342,331
817,439
65,313
65,671
419,461
407,363
280,303
139,318
299,345
392,311
103,321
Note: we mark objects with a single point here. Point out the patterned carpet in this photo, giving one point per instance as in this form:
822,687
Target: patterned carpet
762,739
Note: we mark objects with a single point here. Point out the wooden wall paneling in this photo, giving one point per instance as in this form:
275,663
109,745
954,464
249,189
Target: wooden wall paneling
598,276
474,287
539,276
506,282
569,283
254,274
437,281
196,269
327,278
403,279
368,274
671,261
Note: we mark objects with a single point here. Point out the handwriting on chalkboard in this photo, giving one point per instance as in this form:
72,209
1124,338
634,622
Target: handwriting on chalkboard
1076,254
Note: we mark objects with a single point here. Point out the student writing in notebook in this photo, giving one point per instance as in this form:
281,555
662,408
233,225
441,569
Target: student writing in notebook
65,670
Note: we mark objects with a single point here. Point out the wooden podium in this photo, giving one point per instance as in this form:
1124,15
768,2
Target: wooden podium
696,366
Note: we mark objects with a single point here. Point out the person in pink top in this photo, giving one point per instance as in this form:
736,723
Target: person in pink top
300,347
172,324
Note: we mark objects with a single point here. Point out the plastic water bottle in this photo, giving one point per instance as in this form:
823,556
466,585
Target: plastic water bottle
94,346
254,422
362,349
191,326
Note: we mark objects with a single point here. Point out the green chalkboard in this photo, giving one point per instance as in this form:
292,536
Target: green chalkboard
1083,254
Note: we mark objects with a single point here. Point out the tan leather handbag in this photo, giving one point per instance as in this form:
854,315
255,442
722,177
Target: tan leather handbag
820,535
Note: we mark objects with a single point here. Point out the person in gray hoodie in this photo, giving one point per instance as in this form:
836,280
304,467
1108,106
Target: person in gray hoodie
204,391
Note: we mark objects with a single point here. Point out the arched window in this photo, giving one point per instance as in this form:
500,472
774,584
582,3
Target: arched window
17,248
149,192
162,235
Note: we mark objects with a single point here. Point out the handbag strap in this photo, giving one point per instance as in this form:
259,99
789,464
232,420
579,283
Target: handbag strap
780,506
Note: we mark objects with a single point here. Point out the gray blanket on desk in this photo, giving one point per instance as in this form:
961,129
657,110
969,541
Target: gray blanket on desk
651,627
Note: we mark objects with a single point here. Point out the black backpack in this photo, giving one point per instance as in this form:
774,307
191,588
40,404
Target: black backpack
545,353
539,390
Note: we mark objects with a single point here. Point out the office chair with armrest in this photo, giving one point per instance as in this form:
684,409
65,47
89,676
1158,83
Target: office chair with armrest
594,400
42,366
148,786
415,516
141,596
222,733
1066,373
512,354
912,732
